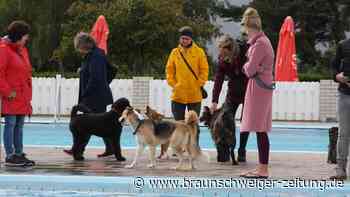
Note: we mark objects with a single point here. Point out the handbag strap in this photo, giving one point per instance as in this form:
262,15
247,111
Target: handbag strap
262,84
188,65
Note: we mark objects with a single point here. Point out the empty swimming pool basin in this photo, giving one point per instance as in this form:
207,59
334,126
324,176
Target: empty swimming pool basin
79,186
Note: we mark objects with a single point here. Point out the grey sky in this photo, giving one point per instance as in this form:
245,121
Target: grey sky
232,28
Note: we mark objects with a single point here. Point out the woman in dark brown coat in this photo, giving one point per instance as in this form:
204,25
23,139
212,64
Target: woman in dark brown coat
231,60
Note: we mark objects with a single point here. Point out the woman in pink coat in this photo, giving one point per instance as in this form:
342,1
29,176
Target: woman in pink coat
257,112
15,91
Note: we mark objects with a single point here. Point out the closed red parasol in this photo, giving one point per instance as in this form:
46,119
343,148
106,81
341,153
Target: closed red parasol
100,33
286,66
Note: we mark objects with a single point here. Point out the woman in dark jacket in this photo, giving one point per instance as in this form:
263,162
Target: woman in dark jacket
15,90
94,90
231,60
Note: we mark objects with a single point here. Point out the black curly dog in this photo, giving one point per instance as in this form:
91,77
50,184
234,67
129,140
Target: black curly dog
104,124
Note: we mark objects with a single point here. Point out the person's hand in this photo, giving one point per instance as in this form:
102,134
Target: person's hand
78,70
12,95
342,79
213,107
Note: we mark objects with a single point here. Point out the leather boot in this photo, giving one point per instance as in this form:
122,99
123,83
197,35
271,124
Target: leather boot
332,147
340,170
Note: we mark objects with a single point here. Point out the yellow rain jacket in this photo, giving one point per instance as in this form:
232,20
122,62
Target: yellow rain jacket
186,89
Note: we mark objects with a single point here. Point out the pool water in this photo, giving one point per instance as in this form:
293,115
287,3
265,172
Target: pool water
281,139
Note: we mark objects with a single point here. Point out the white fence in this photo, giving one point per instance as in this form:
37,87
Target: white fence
291,101
296,101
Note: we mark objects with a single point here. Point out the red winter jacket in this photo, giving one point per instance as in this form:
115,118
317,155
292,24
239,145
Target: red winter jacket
15,74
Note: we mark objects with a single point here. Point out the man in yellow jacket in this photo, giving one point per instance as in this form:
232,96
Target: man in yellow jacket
185,86
186,89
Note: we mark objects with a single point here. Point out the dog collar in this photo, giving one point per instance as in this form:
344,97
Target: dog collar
138,126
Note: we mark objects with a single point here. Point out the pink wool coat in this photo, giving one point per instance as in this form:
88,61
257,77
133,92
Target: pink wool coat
257,112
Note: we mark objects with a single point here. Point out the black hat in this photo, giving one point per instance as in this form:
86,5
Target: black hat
186,31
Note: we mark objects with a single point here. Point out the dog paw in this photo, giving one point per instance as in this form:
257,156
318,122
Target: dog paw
234,163
121,159
189,168
175,168
163,157
179,167
166,156
129,166
151,165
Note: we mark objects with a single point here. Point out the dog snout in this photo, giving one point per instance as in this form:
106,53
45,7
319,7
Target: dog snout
121,120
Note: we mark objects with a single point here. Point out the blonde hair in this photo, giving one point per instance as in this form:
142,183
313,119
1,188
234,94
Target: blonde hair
251,19
226,41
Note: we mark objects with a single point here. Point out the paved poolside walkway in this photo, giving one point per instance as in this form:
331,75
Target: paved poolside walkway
283,165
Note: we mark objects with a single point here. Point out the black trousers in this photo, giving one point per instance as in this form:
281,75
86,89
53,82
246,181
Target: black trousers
178,110
263,147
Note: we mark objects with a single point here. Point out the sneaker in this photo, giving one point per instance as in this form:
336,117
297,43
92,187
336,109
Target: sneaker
14,160
27,161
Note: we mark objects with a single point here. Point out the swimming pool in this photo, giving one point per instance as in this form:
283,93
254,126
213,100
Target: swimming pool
93,186
281,139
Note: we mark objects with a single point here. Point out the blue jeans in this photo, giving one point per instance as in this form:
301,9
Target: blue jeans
13,134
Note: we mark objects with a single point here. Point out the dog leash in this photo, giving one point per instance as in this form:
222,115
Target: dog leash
261,83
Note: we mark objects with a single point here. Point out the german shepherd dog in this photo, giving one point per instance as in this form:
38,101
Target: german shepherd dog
222,135
153,114
105,124
157,118
179,134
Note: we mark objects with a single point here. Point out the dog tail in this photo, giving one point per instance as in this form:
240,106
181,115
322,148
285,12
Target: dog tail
77,108
191,119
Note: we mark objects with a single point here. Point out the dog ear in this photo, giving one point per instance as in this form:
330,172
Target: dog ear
161,116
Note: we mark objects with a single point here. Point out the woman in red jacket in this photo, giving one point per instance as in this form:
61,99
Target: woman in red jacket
15,90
